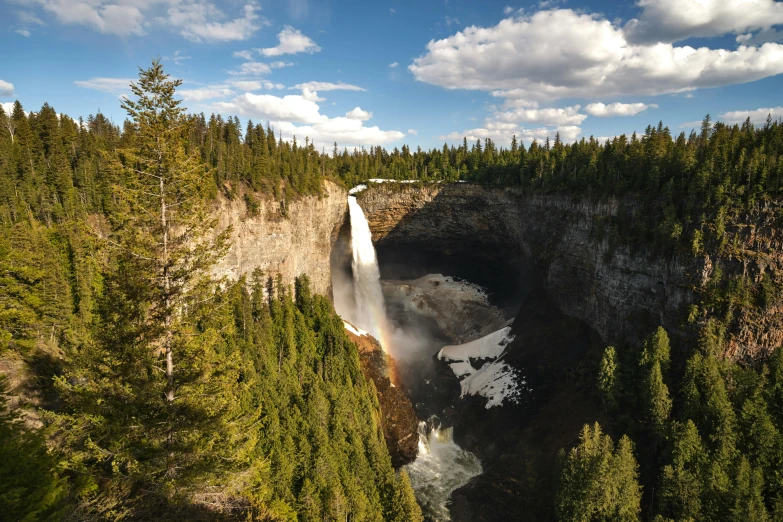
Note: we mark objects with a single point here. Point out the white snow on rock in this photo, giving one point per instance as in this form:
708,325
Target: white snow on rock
356,331
495,380
487,347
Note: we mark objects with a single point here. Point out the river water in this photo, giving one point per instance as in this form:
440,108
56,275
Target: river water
441,465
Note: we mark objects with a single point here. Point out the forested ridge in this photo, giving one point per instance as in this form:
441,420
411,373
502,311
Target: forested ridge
264,413
153,391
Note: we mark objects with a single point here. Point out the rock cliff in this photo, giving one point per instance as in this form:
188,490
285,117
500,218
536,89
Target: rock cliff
293,243
551,240
398,419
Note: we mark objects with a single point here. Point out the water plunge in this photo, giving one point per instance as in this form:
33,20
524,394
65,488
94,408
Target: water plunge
370,312
441,466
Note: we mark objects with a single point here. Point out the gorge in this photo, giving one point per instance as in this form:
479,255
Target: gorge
548,264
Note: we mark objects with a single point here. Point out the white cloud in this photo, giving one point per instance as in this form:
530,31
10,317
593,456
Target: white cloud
24,32
254,85
312,96
178,57
197,20
549,116
197,23
343,131
292,107
358,114
6,88
205,93
675,20
761,37
508,10
328,86
118,19
617,109
502,133
392,11
286,112
562,53
111,85
246,55
292,41
252,69
757,116
8,107
394,64
413,132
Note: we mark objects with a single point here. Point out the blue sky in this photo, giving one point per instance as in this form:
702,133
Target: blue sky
424,72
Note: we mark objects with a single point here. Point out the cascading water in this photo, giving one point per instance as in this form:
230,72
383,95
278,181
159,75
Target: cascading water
370,313
440,467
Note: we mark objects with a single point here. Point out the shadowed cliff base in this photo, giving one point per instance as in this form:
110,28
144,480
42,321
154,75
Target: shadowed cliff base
536,273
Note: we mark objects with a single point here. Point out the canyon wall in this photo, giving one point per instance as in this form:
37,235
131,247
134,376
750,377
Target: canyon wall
555,239
293,243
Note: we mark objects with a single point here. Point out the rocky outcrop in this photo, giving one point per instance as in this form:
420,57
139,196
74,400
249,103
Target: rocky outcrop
553,239
291,243
398,419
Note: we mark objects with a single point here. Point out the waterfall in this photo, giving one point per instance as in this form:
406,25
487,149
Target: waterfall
370,313
440,467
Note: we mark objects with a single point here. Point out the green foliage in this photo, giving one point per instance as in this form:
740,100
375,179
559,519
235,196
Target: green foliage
30,488
608,382
174,396
599,482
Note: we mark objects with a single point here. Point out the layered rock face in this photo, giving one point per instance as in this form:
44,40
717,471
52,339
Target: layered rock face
549,239
293,243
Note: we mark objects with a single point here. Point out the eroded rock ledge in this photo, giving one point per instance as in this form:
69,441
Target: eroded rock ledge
398,419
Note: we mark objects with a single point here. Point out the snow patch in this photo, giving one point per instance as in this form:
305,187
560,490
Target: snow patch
356,331
495,380
488,347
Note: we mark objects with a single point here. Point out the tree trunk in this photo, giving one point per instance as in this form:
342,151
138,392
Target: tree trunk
167,339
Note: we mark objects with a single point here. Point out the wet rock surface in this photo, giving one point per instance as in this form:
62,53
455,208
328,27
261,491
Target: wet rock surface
398,418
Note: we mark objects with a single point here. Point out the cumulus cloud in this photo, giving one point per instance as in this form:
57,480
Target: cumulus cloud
291,41
562,53
254,85
358,114
757,116
205,93
196,20
257,68
6,88
293,107
245,55
116,86
617,109
343,131
294,115
327,86
413,132
8,107
197,23
394,64
550,116
502,133
675,20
